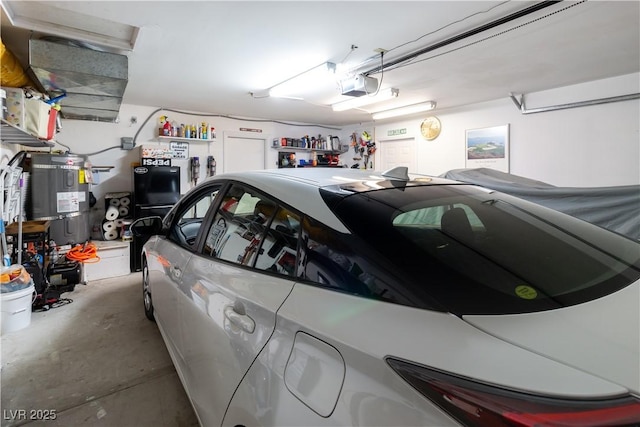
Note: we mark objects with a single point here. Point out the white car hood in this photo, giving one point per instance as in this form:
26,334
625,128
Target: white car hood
601,337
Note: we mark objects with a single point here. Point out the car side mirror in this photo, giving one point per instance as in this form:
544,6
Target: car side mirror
146,227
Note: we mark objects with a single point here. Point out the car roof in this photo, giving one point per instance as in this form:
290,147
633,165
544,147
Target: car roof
299,187
326,177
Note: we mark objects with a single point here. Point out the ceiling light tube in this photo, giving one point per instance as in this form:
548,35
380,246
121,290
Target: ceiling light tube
402,111
293,86
383,95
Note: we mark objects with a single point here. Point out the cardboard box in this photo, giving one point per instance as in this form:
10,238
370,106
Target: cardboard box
155,152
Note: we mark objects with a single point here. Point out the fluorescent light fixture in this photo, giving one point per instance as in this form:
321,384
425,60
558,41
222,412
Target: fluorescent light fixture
383,95
49,19
409,109
294,86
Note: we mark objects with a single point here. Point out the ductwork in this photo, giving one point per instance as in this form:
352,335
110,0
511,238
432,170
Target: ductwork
92,81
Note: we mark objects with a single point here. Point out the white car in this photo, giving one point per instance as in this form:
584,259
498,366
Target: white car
328,296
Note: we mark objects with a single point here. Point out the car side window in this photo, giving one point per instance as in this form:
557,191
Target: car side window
239,225
335,261
190,215
279,249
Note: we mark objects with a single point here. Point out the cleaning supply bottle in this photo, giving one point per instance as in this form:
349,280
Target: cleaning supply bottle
163,120
166,128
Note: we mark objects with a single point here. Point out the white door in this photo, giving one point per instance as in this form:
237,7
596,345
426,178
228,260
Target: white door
398,152
242,153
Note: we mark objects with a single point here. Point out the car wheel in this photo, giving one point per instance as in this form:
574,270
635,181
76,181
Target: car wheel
146,293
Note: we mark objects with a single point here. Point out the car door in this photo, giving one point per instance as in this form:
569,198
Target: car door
231,302
172,255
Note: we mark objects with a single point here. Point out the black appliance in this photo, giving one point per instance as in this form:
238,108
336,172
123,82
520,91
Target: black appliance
155,190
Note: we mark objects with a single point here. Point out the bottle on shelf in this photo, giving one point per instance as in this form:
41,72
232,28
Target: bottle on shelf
166,128
162,121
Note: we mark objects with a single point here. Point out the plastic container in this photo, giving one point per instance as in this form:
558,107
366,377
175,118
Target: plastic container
14,278
16,309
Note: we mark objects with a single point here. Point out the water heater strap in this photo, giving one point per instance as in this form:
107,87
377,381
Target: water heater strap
50,218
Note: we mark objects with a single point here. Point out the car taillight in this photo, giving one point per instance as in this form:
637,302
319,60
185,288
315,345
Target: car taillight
477,404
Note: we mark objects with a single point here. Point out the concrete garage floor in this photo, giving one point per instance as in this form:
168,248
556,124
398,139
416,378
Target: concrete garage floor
95,362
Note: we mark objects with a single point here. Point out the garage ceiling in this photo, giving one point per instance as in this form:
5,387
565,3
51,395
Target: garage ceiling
210,56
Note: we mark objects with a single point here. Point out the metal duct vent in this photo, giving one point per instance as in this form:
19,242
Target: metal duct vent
93,81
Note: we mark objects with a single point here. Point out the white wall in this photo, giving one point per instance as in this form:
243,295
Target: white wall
592,146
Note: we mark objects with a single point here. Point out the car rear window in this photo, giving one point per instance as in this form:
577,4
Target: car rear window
481,252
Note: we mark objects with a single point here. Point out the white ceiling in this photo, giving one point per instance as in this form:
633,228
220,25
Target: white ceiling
209,56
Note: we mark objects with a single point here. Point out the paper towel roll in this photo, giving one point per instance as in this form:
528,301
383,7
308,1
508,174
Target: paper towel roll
108,226
114,202
125,201
112,213
111,234
118,222
123,211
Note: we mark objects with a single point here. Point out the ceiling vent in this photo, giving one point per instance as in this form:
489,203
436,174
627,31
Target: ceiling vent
92,80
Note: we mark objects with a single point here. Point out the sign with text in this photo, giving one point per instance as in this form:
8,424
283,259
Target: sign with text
396,132
155,162
179,149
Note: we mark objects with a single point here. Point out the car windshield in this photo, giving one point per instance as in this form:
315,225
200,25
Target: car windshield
481,252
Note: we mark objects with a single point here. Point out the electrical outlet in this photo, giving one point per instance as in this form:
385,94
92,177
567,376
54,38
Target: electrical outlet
126,143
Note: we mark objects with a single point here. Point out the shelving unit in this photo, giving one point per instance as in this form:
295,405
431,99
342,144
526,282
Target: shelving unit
285,151
177,138
14,135
342,150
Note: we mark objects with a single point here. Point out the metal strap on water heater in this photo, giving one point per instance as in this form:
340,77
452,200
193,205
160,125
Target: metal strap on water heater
51,218
38,166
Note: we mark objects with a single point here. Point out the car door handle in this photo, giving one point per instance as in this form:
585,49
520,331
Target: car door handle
242,321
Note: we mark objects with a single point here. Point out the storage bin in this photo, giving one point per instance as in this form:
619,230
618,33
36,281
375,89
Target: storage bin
16,310
15,106
40,118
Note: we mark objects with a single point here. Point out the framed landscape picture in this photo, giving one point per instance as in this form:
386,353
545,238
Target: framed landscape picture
488,148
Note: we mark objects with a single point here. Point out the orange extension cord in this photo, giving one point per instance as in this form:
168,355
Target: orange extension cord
87,253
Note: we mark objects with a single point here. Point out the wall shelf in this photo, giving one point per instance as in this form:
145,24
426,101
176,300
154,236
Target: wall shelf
14,135
342,149
181,139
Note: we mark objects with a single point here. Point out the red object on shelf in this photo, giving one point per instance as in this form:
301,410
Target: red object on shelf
166,128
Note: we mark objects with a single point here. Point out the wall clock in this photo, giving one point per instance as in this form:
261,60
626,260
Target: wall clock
430,128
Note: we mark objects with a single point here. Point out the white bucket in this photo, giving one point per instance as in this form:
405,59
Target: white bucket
16,309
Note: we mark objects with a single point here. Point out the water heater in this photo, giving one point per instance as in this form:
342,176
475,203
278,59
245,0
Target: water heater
58,191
